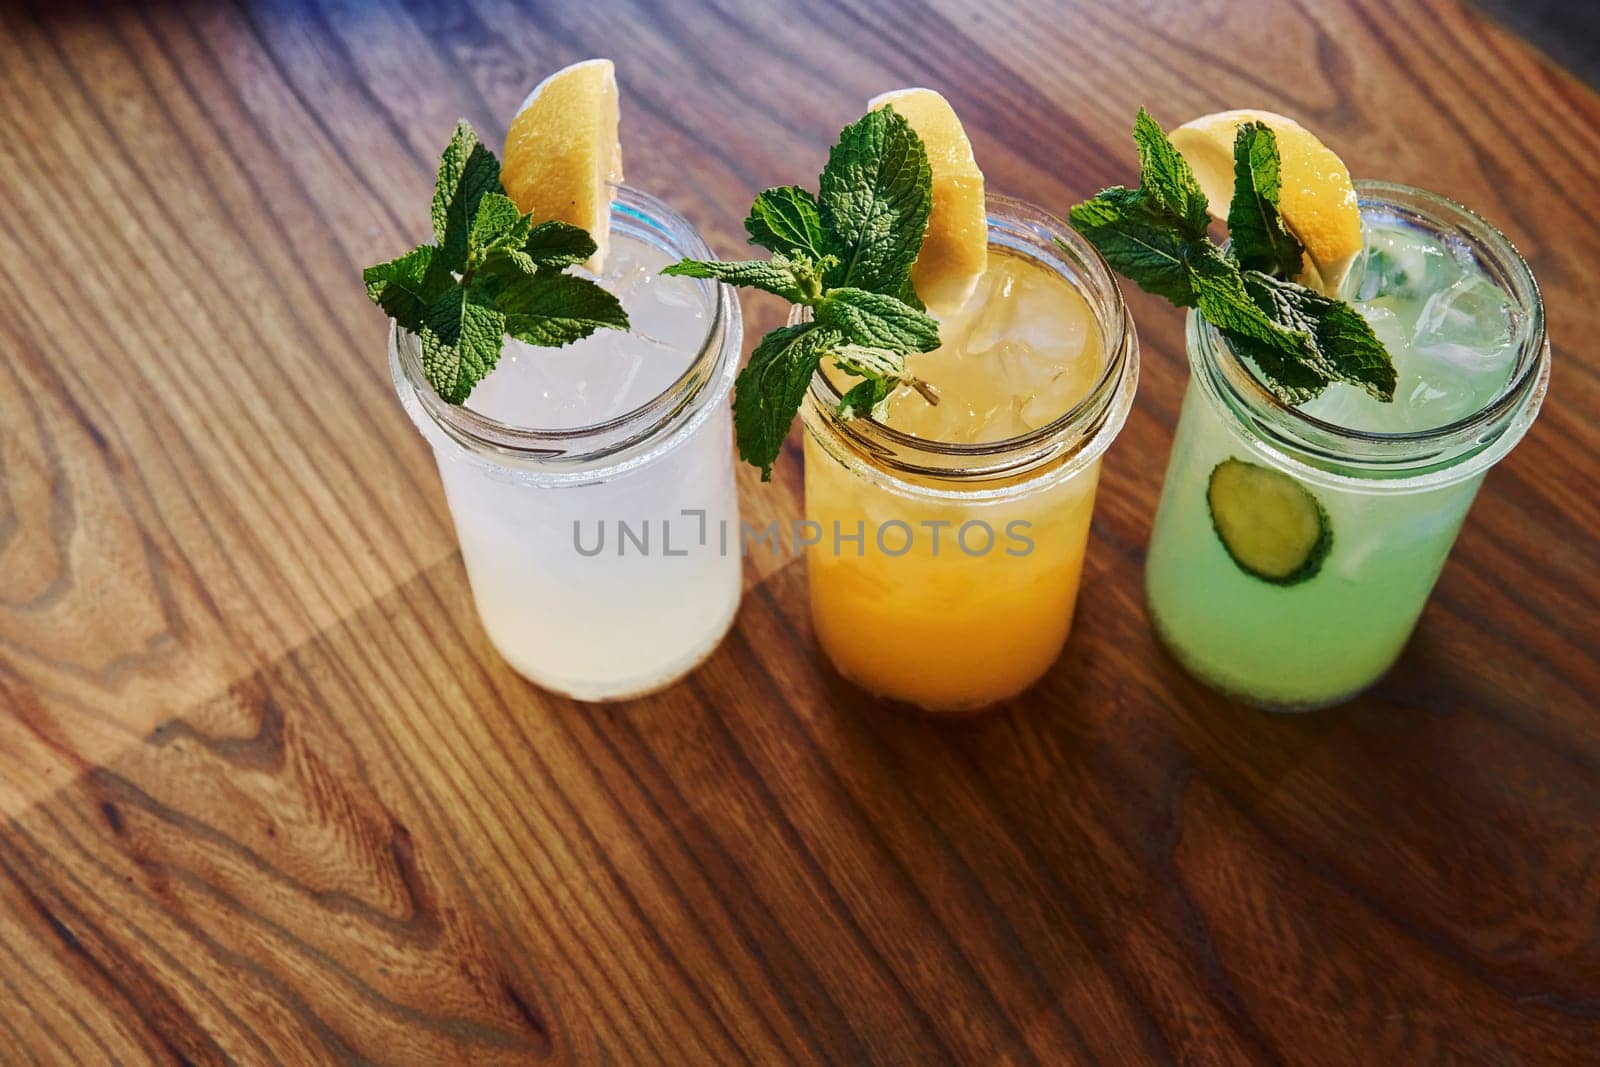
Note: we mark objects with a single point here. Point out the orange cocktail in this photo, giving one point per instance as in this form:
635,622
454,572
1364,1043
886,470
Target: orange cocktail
951,536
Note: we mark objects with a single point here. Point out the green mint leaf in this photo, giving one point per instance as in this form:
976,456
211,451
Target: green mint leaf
1166,178
461,334
1346,349
867,399
1138,241
1221,296
868,361
1293,381
874,197
467,171
774,277
1298,338
884,369
498,224
1284,352
1282,344
1347,338
787,219
768,392
1255,229
551,309
558,244
908,296
404,287
507,263
877,320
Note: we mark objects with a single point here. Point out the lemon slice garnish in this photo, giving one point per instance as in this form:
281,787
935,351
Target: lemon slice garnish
955,251
562,155
1317,202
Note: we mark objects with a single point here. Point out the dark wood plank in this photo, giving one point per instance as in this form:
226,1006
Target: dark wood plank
266,794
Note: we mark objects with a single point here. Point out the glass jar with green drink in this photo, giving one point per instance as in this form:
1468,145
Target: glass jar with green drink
1360,355
1295,546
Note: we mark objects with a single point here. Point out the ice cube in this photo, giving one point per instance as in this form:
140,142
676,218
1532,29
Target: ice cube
1399,263
1005,424
991,323
558,387
1045,408
1429,402
1370,274
1352,407
1436,385
1448,328
621,276
1342,405
955,327
676,293
1386,324
1042,316
1018,355
666,315
1452,381
1472,312
1041,388
1022,367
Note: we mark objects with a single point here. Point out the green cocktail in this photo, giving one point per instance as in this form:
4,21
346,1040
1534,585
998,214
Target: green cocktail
1295,547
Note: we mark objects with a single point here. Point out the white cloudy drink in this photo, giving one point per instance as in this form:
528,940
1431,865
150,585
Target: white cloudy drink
591,484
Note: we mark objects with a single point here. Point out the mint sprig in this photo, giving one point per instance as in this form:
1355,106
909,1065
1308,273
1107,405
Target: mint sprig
491,272
847,254
1259,238
1155,235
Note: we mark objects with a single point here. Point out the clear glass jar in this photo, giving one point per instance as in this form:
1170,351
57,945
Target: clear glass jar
946,574
1393,503
598,554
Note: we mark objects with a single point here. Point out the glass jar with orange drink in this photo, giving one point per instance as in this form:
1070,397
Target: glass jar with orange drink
951,536
960,363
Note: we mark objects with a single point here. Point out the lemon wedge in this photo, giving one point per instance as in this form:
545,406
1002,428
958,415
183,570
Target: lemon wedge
955,251
1317,202
562,154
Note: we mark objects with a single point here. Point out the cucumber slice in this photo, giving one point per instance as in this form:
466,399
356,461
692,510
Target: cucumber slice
1270,524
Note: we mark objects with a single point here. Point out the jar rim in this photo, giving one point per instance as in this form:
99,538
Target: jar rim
1082,431
637,214
1365,453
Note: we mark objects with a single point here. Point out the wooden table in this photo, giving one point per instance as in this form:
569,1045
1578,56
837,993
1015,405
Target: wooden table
267,795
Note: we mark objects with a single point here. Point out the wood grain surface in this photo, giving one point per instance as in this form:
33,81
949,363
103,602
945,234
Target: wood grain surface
267,795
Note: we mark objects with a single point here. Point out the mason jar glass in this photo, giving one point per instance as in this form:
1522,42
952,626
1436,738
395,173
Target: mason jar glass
945,574
1392,502
597,548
